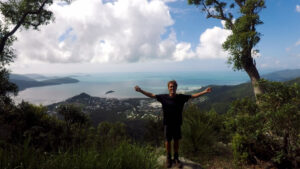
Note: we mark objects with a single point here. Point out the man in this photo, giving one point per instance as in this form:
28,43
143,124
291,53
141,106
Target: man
172,105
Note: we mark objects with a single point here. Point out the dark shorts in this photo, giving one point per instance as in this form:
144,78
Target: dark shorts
172,132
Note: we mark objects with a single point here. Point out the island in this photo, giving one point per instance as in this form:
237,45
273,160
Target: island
23,82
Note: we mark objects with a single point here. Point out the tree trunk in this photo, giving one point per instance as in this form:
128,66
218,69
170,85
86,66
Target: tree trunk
254,76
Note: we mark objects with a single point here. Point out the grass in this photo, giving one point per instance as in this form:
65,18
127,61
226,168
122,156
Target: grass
123,156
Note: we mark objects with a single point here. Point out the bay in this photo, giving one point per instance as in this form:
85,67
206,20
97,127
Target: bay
123,83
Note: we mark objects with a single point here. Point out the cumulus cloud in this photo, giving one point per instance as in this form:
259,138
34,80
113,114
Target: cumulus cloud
113,31
298,8
211,41
93,31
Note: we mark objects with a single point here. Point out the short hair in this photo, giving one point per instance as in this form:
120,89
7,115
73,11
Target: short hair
172,82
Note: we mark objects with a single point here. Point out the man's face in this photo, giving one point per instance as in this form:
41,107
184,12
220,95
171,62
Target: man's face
172,88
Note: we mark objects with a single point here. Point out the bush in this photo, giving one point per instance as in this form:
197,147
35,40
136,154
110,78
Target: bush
73,115
110,134
29,121
200,132
270,130
154,132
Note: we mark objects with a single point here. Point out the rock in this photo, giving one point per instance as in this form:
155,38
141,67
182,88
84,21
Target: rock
187,164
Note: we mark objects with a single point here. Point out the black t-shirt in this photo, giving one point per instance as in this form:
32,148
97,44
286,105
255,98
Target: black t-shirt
172,107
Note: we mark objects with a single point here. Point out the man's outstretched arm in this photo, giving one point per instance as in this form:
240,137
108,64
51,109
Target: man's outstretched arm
207,90
138,89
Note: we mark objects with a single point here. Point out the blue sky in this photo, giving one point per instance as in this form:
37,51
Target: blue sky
90,36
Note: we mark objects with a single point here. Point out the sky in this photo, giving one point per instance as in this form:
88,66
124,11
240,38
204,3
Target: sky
94,36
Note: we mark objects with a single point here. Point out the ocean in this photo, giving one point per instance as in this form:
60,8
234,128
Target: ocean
123,85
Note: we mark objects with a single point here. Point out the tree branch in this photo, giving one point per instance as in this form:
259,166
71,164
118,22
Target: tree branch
221,15
19,23
239,3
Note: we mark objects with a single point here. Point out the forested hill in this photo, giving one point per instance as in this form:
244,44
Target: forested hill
297,80
282,75
24,82
222,96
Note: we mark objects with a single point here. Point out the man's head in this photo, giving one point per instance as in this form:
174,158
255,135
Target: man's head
172,87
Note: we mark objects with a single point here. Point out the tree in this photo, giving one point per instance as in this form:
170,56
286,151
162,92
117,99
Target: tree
244,37
16,14
73,114
6,87
20,14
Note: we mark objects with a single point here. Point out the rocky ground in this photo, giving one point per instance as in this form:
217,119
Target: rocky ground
187,164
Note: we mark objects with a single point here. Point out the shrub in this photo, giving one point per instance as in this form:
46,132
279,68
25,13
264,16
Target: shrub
110,134
200,132
269,130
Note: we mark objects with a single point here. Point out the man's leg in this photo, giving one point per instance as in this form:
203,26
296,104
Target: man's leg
176,148
177,137
168,146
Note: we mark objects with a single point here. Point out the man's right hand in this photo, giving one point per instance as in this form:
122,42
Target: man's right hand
137,88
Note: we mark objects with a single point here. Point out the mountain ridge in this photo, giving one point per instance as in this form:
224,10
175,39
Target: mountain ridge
23,82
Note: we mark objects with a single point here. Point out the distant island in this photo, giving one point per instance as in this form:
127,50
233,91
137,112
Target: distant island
111,91
23,82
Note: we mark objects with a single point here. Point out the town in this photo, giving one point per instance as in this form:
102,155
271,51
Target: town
133,108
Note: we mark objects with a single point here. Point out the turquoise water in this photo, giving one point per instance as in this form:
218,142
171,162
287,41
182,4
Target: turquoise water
123,84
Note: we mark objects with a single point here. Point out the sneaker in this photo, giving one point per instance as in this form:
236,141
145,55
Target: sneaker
169,163
178,163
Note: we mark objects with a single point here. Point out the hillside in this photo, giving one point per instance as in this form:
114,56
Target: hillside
222,96
24,82
21,77
111,109
282,75
297,80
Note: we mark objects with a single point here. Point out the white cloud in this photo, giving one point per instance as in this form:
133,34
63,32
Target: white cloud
211,41
183,51
125,30
298,8
113,32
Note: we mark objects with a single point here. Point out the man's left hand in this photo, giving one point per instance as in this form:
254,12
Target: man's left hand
208,90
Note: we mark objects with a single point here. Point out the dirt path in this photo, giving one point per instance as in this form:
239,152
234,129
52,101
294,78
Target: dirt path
187,164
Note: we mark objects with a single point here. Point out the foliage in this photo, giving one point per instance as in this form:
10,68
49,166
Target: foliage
282,109
123,156
244,34
200,132
268,131
47,133
128,156
34,139
73,115
109,134
16,14
154,132
6,88
20,14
